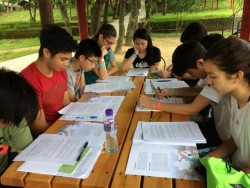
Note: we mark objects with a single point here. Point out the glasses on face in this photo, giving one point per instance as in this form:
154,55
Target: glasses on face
92,61
109,42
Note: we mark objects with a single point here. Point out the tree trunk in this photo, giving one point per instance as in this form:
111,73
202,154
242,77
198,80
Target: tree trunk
115,9
96,16
148,7
35,7
46,12
119,44
133,21
63,10
165,7
106,11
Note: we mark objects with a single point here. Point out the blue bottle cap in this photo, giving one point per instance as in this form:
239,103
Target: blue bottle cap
109,112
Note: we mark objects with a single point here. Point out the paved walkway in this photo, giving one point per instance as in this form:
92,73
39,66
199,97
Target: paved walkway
20,63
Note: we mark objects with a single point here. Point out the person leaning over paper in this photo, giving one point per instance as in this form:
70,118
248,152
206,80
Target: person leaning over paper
86,56
18,109
188,58
48,76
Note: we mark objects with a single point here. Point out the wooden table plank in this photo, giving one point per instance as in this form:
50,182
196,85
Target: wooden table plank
12,177
38,181
150,182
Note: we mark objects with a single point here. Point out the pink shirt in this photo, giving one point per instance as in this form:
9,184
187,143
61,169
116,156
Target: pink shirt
50,91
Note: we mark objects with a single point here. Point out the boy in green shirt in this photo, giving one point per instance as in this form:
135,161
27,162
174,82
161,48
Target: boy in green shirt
18,109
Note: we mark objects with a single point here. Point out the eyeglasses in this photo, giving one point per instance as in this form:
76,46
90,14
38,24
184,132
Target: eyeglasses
109,42
92,61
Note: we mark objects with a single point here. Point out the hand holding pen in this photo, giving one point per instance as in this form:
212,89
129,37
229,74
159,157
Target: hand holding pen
162,94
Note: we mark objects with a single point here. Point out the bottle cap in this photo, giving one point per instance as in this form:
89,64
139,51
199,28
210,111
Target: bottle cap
109,112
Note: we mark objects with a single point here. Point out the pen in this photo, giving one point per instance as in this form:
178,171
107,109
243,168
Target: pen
160,92
163,81
82,151
86,117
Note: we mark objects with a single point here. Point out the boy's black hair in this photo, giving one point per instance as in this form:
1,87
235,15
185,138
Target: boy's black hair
88,48
107,30
210,39
194,31
186,55
56,40
18,99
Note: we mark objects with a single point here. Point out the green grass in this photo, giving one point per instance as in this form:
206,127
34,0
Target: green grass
9,44
10,55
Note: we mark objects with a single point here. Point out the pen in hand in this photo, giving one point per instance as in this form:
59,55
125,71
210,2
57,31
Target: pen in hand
82,151
160,92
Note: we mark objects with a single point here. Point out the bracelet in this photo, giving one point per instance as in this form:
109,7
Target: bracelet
211,154
172,92
102,65
158,106
135,55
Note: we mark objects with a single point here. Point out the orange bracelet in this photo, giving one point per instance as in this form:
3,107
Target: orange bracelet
158,106
211,154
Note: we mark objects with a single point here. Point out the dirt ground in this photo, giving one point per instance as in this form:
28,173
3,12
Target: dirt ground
167,46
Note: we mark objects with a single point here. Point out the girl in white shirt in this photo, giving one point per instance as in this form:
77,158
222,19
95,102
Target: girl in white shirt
227,64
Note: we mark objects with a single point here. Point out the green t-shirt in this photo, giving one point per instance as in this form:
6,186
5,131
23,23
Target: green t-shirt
17,138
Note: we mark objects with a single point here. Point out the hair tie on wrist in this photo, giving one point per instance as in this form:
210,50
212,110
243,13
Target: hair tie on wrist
102,65
135,55
158,106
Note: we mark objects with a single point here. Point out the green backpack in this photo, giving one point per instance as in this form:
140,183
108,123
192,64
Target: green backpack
221,174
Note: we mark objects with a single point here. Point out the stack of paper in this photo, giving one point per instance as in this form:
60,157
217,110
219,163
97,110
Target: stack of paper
114,79
92,109
138,72
165,149
152,84
164,100
57,154
110,87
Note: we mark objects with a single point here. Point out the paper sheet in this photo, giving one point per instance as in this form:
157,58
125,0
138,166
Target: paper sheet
114,79
53,148
180,132
138,72
163,161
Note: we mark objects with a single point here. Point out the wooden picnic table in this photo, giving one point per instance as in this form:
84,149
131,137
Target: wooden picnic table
109,170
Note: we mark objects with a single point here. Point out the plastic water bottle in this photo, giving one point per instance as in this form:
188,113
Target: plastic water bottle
110,128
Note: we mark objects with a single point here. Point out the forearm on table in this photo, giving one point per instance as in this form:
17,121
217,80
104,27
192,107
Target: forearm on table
40,125
127,63
226,149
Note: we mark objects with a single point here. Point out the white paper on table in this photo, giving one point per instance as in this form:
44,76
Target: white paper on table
93,132
84,109
177,84
180,132
113,102
163,161
110,87
114,79
53,148
138,72
163,100
82,171
148,87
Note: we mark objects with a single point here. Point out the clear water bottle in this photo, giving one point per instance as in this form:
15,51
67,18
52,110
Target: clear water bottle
110,128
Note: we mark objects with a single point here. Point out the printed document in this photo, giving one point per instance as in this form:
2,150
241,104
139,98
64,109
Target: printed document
92,132
163,100
110,87
53,148
157,160
112,102
138,72
184,132
114,79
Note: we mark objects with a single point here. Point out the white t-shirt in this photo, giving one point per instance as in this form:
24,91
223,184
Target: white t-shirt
221,109
240,129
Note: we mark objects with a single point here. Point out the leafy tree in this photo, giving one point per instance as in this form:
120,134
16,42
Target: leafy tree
62,6
181,8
